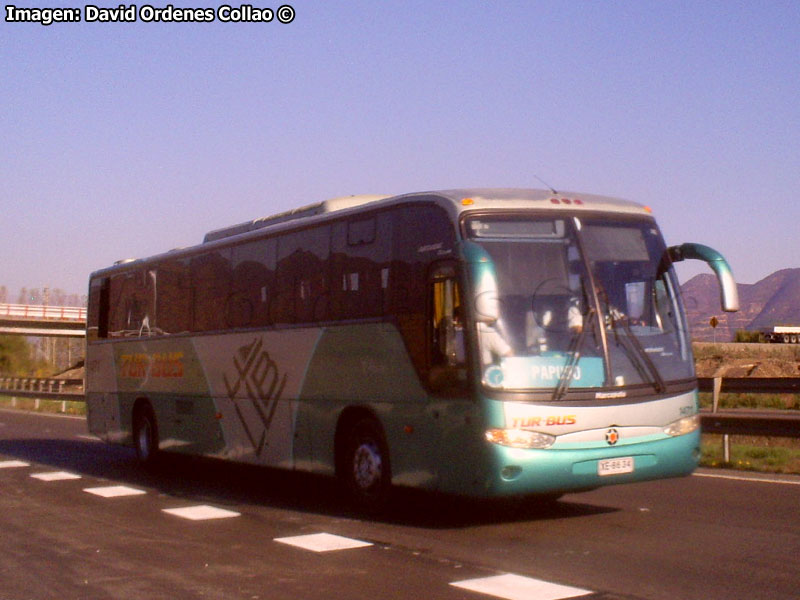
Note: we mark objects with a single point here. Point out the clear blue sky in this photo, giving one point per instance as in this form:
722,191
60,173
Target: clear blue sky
127,139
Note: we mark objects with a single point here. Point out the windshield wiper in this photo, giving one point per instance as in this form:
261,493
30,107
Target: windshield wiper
574,350
641,361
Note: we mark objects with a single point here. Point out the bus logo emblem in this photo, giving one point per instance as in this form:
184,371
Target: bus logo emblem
258,378
612,436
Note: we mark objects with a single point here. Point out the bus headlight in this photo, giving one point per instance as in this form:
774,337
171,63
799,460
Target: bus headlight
520,438
683,426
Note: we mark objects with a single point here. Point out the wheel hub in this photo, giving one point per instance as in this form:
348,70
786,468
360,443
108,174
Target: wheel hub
367,466
144,441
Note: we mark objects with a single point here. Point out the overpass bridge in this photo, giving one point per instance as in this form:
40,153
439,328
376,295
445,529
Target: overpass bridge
34,320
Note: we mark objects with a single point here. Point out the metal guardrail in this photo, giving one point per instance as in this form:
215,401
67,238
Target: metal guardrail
772,423
777,423
42,387
751,385
769,423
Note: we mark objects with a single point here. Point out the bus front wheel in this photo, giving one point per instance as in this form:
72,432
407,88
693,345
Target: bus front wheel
366,472
145,435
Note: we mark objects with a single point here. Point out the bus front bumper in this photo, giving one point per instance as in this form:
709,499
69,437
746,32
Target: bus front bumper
514,471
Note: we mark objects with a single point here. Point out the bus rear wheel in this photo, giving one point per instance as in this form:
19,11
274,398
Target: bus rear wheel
145,435
365,468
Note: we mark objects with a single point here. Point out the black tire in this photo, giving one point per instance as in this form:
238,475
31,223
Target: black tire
145,436
365,468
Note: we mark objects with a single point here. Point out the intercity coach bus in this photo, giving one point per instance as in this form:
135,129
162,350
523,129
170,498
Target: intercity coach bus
486,342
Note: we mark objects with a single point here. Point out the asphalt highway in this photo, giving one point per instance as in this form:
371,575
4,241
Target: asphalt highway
80,519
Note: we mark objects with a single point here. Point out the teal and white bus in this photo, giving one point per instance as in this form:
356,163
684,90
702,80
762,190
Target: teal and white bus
485,342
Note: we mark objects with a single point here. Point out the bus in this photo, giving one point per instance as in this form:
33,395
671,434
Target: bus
478,342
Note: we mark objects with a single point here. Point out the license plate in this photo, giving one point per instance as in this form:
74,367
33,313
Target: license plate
615,466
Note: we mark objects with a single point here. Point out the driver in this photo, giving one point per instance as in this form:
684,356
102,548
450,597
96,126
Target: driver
493,343
536,333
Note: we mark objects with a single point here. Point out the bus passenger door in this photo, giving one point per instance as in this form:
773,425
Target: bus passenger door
447,374
452,412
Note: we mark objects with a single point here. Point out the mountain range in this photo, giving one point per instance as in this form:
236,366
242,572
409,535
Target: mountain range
775,300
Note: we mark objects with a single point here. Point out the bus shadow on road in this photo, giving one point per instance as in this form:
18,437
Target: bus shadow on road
224,483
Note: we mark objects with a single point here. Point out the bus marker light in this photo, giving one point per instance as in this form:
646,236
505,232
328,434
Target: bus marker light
567,201
467,202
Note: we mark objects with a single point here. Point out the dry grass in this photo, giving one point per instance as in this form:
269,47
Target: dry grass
758,351
750,453
68,407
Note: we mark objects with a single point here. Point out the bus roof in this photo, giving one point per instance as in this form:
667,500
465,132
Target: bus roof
456,201
311,210
516,198
460,199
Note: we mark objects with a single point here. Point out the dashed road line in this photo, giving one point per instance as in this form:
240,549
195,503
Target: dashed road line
114,491
322,542
507,586
202,512
55,476
517,587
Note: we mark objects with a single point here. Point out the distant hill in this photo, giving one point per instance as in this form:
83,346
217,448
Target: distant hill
775,300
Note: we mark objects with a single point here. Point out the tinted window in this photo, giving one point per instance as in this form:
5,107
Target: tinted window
211,284
360,267
131,304
97,311
253,284
361,232
173,296
422,234
302,278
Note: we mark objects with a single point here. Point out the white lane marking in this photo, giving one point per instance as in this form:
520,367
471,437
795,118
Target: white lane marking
201,513
55,476
743,478
516,587
114,491
322,542
13,464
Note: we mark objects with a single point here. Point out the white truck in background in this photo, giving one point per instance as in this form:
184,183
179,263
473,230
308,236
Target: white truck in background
781,334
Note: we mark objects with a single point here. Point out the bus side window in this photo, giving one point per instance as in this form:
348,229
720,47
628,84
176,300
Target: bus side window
253,283
211,284
360,260
130,305
174,299
97,314
302,276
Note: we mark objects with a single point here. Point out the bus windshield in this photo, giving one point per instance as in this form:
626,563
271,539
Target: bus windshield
570,303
